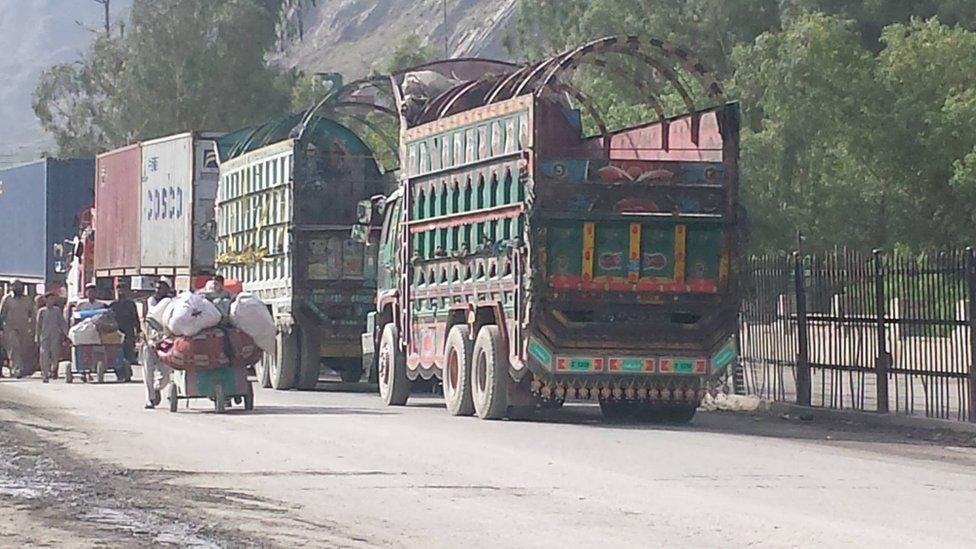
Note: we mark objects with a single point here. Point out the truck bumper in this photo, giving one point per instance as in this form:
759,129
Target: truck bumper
651,374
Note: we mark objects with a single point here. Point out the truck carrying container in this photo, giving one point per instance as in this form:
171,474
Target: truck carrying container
178,188
154,209
285,207
531,263
40,207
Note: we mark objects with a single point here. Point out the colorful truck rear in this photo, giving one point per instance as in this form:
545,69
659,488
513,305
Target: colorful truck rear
285,206
524,264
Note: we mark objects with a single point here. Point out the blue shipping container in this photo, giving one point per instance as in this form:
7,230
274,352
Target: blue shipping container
39,206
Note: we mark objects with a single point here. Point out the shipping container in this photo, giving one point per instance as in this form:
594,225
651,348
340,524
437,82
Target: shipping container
117,206
178,188
40,205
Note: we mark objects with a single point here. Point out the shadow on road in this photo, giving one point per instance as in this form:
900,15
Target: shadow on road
307,411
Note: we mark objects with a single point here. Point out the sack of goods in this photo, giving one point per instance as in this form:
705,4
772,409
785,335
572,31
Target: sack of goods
156,317
211,348
190,314
106,322
251,315
84,333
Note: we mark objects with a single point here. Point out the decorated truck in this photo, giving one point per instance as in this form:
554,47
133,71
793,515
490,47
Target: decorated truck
524,263
286,201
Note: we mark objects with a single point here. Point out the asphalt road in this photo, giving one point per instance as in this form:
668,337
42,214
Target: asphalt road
86,464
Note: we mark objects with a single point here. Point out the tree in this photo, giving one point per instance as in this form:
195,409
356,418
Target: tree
410,52
183,65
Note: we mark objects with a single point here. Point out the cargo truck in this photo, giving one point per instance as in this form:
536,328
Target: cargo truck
42,204
285,206
523,263
154,211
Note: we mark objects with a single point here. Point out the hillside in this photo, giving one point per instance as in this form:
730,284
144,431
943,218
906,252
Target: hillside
357,36
33,35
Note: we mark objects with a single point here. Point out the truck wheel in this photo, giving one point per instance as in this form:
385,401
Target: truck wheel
394,385
262,369
311,363
174,401
249,397
489,374
457,372
220,401
283,368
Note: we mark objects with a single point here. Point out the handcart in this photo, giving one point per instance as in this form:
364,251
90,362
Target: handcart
221,385
98,359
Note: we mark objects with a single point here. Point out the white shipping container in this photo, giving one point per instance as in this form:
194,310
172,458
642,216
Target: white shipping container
179,184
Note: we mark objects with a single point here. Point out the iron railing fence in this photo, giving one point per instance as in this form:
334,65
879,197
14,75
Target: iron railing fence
882,332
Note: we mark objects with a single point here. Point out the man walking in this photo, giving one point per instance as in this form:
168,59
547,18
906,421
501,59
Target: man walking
17,315
52,329
127,317
150,360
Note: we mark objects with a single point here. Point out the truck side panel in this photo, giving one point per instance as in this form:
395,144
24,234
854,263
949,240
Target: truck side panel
22,220
117,210
39,205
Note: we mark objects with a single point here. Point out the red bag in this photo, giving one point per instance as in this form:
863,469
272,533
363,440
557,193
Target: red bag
210,349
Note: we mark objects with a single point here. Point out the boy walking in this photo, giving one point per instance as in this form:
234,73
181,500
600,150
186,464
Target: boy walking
51,331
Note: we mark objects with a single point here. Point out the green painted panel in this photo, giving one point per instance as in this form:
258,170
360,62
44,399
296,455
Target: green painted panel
657,251
579,364
703,250
632,365
565,249
684,366
611,244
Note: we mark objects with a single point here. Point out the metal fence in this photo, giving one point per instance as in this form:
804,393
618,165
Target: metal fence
884,332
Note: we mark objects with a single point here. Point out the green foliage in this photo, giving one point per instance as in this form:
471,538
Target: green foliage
182,65
858,115
410,52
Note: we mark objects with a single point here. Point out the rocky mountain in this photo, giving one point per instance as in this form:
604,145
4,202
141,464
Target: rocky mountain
357,36
33,35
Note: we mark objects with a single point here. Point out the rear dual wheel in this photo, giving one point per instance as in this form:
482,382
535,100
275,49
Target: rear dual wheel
489,374
457,372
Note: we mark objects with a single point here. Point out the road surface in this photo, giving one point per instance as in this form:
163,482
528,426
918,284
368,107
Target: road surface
85,465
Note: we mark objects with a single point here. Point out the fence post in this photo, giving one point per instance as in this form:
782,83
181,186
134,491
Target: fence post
883,361
971,306
803,382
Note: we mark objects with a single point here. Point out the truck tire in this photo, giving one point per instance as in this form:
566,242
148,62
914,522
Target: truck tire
310,365
284,367
489,374
681,413
457,372
394,385
262,369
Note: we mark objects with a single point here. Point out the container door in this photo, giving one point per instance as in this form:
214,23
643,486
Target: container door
167,199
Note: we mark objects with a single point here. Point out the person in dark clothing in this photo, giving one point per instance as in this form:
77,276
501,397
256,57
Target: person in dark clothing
127,317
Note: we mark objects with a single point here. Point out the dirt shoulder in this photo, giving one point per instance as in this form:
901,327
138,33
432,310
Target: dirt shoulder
52,497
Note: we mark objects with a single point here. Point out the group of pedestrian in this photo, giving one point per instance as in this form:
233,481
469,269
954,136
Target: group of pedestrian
34,331
38,327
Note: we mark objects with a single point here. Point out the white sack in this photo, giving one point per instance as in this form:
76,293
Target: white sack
158,313
84,333
251,315
191,314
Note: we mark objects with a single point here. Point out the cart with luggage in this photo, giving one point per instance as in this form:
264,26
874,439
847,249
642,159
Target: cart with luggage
97,360
224,386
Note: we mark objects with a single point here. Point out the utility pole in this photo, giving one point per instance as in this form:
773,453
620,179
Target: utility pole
447,36
108,17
